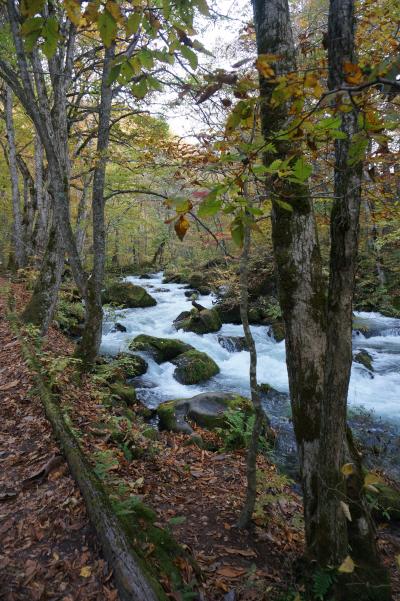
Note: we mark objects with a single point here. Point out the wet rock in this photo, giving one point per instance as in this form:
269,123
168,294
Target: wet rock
364,358
128,296
268,393
193,367
161,349
233,344
118,327
200,322
277,331
207,410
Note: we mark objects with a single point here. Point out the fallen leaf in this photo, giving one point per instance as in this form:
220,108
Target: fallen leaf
242,552
347,469
347,566
86,571
346,510
12,384
231,571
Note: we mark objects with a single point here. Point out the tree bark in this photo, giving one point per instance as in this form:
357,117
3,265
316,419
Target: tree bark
40,309
18,235
298,265
260,418
89,346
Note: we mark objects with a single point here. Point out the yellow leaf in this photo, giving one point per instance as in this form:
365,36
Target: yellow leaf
181,227
346,510
352,73
310,80
371,478
86,571
347,469
263,66
347,567
73,9
114,10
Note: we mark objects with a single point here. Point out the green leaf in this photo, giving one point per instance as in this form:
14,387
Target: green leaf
107,27
302,170
154,84
237,231
177,520
133,23
32,25
51,37
358,146
146,58
190,56
209,207
283,204
114,73
139,90
203,7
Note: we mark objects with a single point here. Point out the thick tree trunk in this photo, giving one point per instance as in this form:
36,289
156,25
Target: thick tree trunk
298,266
91,338
40,309
339,537
18,234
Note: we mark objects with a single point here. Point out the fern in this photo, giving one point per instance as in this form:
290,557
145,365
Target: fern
323,581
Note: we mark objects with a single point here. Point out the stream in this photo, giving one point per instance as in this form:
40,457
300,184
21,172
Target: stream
374,398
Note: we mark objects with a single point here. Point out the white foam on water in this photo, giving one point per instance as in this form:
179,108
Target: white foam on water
380,393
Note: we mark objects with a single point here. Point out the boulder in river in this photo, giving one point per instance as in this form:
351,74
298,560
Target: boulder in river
277,330
193,367
233,344
364,358
208,410
123,367
118,327
199,322
161,349
127,296
124,392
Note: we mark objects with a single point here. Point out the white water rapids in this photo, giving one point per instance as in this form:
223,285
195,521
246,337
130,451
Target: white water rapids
380,393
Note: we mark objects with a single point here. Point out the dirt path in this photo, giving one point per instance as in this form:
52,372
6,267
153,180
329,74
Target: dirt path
48,549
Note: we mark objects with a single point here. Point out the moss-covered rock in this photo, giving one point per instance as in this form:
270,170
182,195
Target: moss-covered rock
200,322
161,349
128,296
207,410
124,392
70,316
364,358
193,367
277,329
233,344
123,367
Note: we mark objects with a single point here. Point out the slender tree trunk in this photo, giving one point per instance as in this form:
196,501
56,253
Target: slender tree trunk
91,338
260,418
82,216
18,237
40,309
298,265
41,227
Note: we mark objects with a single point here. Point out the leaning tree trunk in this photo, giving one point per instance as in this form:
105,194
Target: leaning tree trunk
91,338
40,309
339,536
298,264
18,234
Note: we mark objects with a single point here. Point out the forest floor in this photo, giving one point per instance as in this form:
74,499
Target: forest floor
49,550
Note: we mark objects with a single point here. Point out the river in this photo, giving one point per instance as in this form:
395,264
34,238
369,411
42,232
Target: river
378,392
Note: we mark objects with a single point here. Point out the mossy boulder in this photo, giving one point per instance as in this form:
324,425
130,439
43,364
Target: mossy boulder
364,358
70,316
199,322
207,410
193,367
123,367
161,349
124,392
128,296
277,330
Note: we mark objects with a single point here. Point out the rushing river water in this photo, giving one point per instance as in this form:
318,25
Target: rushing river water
378,392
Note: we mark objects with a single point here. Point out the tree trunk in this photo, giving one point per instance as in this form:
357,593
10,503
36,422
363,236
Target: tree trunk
18,236
339,537
260,418
82,216
42,222
91,338
298,266
40,309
